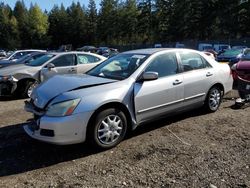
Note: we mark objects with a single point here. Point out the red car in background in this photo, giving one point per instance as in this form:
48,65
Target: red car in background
241,74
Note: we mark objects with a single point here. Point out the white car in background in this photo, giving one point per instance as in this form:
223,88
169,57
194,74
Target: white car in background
20,53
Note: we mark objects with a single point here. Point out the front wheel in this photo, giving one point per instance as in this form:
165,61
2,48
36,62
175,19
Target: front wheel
213,99
108,129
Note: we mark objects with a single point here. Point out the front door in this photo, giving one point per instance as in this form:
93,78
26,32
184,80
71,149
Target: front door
64,64
157,97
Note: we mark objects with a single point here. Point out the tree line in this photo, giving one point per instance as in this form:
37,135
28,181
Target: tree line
124,22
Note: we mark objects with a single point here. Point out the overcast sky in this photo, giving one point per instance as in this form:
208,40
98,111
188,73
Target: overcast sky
48,4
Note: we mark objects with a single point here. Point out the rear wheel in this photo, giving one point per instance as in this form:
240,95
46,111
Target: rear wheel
108,128
213,100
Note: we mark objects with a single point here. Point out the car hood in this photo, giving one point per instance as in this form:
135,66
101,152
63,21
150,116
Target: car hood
14,69
4,61
59,84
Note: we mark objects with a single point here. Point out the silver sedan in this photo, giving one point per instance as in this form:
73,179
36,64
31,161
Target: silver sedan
122,93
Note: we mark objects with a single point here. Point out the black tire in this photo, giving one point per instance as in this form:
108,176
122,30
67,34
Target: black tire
94,136
213,99
25,88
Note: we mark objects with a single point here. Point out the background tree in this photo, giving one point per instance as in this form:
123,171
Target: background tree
58,21
108,22
91,24
77,24
8,28
37,26
21,14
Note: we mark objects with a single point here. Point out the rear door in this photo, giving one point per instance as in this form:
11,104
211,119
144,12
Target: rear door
86,62
157,97
198,76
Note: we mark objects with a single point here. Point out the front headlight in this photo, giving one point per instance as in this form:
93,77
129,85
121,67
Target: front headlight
65,108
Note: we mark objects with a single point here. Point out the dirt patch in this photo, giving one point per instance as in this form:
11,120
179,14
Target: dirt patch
187,150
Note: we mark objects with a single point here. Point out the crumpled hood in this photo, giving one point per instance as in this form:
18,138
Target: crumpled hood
14,69
63,83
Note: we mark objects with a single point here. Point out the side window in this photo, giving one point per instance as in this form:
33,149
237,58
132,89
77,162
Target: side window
191,61
164,65
17,55
83,59
64,60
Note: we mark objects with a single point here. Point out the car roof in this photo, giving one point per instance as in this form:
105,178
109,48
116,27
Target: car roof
72,52
30,50
148,51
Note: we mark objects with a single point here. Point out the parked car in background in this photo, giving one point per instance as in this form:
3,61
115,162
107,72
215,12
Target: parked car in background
179,45
107,52
209,54
205,46
244,55
158,45
24,60
20,53
221,47
22,78
123,92
2,54
241,72
238,47
91,49
229,56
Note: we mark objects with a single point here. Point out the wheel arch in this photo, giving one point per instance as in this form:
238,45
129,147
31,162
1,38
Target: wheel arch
220,86
118,105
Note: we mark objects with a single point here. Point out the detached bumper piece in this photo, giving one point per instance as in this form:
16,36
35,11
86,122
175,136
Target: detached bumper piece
6,88
30,107
33,126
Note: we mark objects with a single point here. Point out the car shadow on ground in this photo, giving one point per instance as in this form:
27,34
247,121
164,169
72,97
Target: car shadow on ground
19,153
9,98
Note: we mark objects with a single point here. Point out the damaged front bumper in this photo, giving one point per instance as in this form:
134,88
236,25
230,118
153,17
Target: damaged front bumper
8,85
56,130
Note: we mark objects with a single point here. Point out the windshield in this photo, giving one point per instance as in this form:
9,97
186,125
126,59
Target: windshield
231,53
23,58
41,60
119,67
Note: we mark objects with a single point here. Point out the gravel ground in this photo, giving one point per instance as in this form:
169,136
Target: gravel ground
187,150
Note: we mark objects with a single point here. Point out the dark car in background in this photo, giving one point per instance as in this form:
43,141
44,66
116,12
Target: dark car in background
91,49
24,60
107,52
227,56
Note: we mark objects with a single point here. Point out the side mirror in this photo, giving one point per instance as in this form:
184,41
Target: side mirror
147,76
50,66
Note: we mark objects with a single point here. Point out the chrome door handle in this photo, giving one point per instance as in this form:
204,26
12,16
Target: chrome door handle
209,74
177,82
